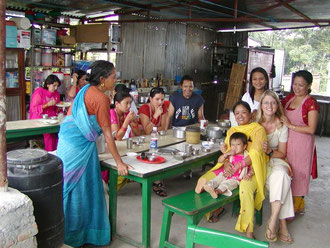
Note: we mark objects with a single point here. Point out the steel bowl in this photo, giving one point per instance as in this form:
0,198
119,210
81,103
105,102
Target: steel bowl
152,158
179,132
214,132
162,132
225,124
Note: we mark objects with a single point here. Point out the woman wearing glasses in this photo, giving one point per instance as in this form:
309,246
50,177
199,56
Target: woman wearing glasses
154,114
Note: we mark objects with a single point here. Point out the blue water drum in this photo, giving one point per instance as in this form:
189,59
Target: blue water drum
39,175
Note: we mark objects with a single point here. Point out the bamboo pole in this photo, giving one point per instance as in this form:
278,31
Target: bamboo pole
3,149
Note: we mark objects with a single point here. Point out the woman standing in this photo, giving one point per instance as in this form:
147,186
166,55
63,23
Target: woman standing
251,192
43,101
85,211
301,112
121,117
154,114
278,180
259,82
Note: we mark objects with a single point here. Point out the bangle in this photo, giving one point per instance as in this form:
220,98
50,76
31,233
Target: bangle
123,129
293,127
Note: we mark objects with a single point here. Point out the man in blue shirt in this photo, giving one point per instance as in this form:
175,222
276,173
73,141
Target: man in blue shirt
186,108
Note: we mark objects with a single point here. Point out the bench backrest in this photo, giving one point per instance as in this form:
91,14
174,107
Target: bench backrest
218,239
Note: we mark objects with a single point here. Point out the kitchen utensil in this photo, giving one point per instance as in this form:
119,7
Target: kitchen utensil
207,144
152,158
129,143
195,151
214,132
179,132
180,156
225,124
44,116
188,149
156,160
131,154
169,150
205,149
193,135
162,132
142,139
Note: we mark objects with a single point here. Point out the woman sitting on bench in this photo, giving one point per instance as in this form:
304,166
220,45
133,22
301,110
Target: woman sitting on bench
251,192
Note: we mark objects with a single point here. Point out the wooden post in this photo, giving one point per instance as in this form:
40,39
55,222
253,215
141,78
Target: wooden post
3,149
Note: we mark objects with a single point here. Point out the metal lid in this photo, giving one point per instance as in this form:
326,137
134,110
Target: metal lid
26,156
193,129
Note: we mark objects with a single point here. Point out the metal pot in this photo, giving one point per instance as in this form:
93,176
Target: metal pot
214,132
179,132
224,124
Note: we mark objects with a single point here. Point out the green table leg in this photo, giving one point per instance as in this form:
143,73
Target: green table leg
166,226
146,213
113,200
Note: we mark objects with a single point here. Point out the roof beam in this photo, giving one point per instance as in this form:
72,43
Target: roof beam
294,10
268,8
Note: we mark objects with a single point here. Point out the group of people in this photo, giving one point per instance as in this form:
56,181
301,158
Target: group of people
281,155
257,153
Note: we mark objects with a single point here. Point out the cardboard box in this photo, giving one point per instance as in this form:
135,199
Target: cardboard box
68,40
93,33
23,38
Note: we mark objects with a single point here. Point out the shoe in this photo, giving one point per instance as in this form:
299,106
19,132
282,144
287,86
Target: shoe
158,188
271,234
200,185
285,238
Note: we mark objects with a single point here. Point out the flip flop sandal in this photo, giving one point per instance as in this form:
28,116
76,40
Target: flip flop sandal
271,234
158,188
287,240
215,218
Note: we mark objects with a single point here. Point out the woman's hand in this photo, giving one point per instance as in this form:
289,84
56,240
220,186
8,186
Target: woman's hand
122,168
158,111
74,79
51,103
266,147
223,148
130,116
228,169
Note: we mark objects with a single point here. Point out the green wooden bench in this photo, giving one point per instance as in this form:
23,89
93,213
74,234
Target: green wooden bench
194,206
218,239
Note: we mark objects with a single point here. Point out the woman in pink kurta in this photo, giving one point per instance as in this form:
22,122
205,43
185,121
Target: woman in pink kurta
43,101
301,112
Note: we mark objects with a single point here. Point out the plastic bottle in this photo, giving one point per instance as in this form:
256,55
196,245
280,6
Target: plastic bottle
153,140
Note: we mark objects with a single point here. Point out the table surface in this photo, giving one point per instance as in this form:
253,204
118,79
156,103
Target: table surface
28,129
165,140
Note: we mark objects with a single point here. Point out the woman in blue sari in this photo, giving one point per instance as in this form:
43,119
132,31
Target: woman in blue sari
85,212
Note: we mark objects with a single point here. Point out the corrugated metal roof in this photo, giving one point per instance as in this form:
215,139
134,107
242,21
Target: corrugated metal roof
215,14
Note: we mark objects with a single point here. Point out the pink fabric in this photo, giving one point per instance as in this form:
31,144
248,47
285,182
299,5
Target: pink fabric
300,151
235,159
40,97
114,117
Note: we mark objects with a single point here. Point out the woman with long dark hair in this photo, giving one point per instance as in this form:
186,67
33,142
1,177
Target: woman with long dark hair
43,101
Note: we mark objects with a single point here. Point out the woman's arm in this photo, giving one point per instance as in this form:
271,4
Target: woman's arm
309,129
122,168
163,120
276,153
73,89
170,114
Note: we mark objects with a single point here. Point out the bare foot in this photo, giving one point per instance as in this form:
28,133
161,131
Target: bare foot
215,215
250,235
211,191
200,185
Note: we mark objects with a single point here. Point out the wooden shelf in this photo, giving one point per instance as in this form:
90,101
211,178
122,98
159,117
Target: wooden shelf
53,46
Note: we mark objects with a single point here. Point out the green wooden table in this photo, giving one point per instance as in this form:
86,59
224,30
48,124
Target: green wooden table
28,129
146,178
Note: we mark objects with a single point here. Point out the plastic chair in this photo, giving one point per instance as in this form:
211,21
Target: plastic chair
218,239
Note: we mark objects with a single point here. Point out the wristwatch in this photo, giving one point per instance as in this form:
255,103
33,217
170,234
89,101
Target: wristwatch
270,153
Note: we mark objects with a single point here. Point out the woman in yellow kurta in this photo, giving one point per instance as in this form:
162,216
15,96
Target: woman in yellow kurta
257,158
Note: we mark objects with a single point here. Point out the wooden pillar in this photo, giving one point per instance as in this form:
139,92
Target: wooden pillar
3,149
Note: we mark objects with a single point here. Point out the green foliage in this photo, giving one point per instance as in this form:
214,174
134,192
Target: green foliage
306,48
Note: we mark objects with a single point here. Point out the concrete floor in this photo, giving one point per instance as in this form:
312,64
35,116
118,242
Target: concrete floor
308,231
